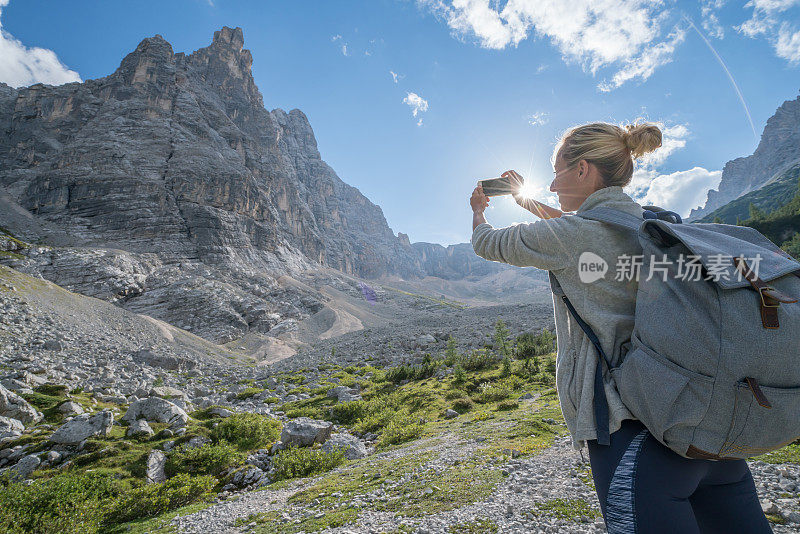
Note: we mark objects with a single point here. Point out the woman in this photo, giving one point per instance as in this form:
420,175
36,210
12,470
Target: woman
642,485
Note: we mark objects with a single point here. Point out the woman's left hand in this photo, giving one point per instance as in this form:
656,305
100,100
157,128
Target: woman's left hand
517,181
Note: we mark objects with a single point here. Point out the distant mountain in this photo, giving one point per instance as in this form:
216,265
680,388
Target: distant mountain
771,196
168,188
777,151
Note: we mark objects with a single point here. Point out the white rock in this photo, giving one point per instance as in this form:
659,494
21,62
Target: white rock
305,431
158,410
82,427
15,407
156,461
10,428
350,445
139,428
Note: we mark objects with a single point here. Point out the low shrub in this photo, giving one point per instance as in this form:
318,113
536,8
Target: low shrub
208,459
495,392
248,392
155,499
478,360
66,503
463,404
507,405
413,372
400,430
296,462
248,431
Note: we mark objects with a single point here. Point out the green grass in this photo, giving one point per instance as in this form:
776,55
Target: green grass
479,526
248,392
569,509
789,454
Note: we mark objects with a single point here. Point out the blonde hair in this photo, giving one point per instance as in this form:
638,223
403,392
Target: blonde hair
611,148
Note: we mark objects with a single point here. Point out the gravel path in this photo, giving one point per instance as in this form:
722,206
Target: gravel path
558,472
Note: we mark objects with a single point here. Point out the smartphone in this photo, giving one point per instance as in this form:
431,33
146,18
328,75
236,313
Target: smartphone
493,187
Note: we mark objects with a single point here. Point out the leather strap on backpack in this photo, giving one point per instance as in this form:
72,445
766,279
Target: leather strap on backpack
771,298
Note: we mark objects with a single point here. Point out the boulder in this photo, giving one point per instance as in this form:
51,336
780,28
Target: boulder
156,461
450,414
169,393
163,361
25,467
82,427
158,410
343,394
139,429
70,408
10,428
425,340
350,445
15,407
219,411
305,431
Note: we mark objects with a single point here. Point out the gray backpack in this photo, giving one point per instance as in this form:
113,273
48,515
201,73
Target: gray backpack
713,364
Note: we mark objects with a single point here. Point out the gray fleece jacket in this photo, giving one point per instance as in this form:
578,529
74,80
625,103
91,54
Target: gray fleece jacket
607,304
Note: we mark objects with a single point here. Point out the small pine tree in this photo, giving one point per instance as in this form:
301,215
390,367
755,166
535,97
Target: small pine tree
451,352
535,368
551,367
506,367
755,212
718,220
501,333
458,373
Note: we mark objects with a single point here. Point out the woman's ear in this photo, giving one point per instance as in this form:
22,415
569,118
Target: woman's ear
583,169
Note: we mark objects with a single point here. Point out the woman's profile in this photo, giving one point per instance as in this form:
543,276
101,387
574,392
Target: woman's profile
642,485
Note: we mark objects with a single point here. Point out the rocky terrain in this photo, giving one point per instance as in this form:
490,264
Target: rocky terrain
405,432
203,329
168,189
776,152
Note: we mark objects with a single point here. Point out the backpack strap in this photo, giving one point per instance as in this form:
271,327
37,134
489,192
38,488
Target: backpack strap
600,400
627,220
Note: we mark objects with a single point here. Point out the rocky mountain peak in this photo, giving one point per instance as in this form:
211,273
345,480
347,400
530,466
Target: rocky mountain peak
776,152
229,37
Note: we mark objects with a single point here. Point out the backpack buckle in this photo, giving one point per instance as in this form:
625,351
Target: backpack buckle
768,299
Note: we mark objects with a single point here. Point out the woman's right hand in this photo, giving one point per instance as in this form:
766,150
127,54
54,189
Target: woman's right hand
478,201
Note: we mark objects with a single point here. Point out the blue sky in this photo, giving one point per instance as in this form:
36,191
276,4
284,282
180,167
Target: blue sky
493,84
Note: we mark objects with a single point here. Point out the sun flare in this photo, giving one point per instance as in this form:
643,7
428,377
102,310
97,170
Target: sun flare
527,190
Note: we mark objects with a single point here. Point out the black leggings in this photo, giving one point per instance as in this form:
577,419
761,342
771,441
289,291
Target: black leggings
645,487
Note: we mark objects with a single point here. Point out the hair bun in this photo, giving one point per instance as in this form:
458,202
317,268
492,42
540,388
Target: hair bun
641,138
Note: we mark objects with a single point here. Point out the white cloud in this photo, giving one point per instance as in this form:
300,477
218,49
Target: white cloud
680,191
21,66
396,76
417,104
787,45
538,118
344,49
594,33
644,65
708,12
541,68
335,38
765,20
